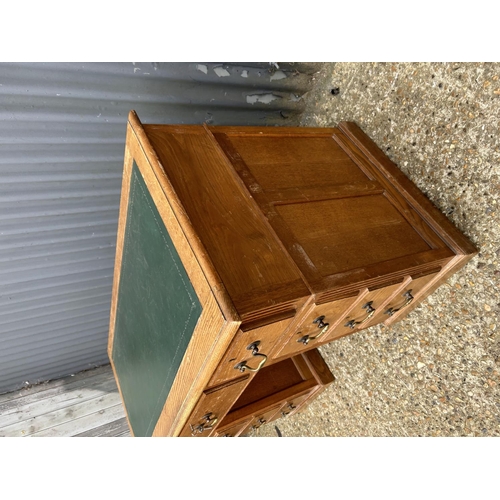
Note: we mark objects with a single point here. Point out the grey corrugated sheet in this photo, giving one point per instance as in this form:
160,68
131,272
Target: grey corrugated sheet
62,132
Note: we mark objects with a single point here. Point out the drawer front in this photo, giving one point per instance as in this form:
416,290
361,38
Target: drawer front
234,430
249,351
368,311
263,417
315,326
293,405
212,407
408,294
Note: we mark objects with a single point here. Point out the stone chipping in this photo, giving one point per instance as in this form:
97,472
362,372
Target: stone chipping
437,372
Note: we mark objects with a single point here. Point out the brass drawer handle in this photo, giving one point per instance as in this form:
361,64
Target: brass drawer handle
207,422
409,299
291,406
261,421
254,347
369,309
323,326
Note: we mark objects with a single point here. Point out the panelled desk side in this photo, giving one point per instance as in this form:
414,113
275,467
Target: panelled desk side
290,238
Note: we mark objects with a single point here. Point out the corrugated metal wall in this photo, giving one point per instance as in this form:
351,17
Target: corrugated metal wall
62,134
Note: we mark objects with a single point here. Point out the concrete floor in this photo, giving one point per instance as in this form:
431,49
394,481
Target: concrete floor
436,373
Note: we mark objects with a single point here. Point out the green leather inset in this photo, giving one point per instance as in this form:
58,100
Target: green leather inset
157,312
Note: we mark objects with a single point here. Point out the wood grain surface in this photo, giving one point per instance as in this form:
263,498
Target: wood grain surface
276,227
253,267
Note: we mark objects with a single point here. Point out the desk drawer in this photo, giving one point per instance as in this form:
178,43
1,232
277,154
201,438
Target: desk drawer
212,407
293,405
234,430
263,417
408,294
249,351
368,311
326,322
314,327
282,387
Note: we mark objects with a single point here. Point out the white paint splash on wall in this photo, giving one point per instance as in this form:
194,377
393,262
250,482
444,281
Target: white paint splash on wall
264,98
278,75
221,72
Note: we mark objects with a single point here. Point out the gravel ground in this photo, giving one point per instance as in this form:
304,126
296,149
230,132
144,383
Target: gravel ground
436,373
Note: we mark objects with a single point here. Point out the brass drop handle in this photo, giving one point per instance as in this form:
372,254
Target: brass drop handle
207,422
409,299
369,309
323,326
292,407
254,347
261,421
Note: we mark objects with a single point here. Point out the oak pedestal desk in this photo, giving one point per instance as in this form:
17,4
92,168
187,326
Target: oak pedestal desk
240,250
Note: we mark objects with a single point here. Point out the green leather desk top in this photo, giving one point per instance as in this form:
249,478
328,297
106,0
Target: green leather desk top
156,315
